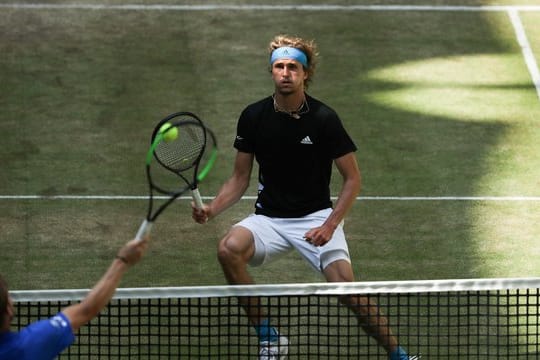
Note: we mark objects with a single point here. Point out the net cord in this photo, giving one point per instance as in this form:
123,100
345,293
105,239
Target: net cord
413,286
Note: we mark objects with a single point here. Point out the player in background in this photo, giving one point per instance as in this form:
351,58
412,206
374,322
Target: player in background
295,140
46,339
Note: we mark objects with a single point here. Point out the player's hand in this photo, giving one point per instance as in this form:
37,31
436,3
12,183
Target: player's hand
319,236
133,251
200,216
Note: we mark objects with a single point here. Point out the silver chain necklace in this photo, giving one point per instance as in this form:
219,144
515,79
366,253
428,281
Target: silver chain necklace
302,109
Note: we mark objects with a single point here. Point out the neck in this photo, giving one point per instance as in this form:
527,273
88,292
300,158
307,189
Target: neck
289,102
294,108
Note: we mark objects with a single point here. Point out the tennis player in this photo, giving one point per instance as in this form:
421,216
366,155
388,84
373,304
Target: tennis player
46,339
295,140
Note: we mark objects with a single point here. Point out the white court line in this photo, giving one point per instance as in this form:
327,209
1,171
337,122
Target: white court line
512,10
360,198
321,7
525,49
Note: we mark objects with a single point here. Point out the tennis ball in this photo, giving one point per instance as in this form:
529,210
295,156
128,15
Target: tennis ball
168,135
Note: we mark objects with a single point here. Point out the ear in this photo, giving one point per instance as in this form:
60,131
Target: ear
10,310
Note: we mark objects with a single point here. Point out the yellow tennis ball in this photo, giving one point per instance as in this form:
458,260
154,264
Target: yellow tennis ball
168,135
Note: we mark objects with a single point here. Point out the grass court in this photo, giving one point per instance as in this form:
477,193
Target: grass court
441,103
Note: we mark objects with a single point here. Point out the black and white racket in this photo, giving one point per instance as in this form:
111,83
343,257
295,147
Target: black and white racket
182,147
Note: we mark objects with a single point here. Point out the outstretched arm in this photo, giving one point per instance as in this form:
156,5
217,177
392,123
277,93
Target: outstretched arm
100,295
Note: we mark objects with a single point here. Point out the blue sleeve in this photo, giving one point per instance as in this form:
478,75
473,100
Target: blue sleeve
45,339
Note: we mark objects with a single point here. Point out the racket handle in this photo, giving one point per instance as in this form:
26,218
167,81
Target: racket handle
197,198
144,230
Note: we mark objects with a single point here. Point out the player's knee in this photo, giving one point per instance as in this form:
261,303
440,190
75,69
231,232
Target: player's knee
230,251
224,254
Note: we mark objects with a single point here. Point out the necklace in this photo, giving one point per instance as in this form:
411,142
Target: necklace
302,109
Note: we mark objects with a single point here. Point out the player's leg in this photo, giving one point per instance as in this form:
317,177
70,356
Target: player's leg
366,310
234,253
336,264
245,244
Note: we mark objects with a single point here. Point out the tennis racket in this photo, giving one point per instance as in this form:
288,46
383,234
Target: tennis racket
181,147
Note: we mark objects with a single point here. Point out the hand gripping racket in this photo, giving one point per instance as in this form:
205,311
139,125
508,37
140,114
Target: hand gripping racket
182,147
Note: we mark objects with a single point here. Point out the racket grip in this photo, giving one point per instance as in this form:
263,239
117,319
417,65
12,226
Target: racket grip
197,198
144,230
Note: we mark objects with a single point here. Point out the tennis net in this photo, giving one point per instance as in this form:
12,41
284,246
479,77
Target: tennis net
439,319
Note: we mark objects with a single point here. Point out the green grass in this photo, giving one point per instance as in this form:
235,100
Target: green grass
439,103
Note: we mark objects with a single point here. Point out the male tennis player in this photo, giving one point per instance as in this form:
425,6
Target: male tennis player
46,339
295,140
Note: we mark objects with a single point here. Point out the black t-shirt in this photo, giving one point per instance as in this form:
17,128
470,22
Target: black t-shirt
294,155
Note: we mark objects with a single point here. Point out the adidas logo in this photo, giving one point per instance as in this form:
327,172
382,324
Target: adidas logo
306,141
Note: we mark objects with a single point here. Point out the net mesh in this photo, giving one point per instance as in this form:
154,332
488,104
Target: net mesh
465,319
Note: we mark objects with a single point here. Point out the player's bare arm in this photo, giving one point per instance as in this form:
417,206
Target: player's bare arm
348,168
231,191
100,295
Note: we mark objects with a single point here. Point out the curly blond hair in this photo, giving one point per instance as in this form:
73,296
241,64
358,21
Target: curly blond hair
308,47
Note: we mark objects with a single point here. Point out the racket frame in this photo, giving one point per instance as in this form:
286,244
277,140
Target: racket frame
158,137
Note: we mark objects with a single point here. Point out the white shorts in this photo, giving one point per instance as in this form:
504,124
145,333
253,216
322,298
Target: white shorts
277,236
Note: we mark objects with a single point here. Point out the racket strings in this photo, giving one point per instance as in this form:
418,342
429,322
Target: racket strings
182,153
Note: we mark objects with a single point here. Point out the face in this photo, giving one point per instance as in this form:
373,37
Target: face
288,76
